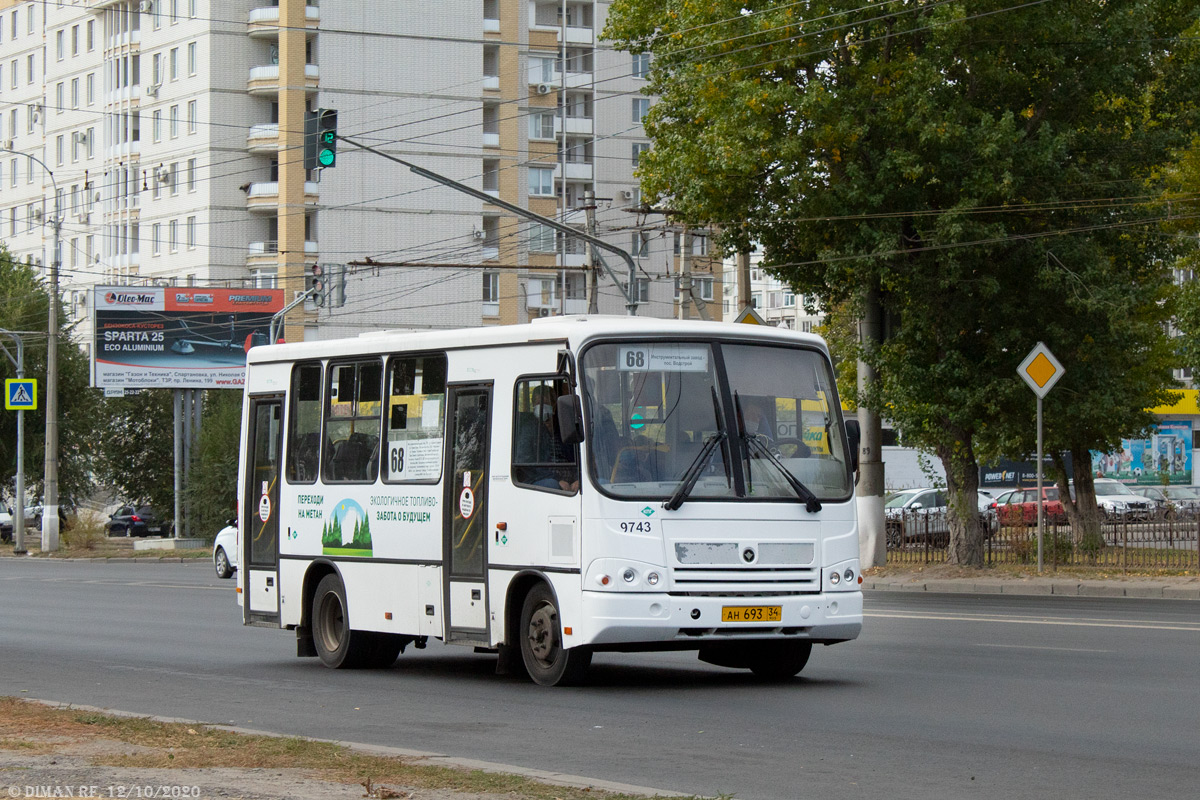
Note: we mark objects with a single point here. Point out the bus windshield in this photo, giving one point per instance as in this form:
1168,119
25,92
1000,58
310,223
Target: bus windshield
769,414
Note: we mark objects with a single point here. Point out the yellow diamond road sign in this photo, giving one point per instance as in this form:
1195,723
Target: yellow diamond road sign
1041,370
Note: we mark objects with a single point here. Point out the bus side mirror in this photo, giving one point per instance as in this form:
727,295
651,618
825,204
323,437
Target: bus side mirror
570,418
853,438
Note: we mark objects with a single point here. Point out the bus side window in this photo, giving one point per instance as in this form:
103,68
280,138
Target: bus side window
540,458
304,424
415,418
352,422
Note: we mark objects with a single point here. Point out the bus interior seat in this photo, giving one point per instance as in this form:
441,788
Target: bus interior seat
304,457
639,463
351,457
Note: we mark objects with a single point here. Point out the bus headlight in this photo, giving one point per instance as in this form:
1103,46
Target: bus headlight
652,578
842,577
629,576
621,575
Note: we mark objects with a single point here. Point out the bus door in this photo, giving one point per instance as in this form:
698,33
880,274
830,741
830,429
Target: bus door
468,420
260,510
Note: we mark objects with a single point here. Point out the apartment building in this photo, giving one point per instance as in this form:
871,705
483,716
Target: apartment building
172,137
775,301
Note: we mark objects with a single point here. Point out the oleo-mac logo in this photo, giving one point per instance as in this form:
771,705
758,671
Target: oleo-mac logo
128,297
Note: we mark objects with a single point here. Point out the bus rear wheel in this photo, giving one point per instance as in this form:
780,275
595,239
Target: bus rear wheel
546,660
337,645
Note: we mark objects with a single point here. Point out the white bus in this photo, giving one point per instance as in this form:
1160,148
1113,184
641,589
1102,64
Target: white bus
549,490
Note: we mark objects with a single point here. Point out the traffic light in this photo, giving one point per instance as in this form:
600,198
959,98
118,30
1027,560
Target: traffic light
320,139
318,284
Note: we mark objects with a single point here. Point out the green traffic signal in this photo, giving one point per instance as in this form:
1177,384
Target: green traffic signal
320,139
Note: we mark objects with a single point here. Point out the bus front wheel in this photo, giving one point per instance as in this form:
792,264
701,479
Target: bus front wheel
546,660
337,645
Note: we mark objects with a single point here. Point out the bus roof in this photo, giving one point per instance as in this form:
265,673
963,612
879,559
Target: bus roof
574,330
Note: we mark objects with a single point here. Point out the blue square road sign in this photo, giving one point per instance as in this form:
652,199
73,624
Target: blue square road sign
20,394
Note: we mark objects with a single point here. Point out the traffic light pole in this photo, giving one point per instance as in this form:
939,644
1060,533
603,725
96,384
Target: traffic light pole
631,302
277,319
18,520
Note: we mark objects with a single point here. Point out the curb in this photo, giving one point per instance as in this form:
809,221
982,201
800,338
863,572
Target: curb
1135,590
109,559
433,759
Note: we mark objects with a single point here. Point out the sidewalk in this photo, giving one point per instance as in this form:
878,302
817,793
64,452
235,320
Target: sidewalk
1049,583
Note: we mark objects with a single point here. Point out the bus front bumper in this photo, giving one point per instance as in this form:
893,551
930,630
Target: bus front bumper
616,618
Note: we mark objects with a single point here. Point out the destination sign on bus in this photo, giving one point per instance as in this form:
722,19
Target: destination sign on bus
663,358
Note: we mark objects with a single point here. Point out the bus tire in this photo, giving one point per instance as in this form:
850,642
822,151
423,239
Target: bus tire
546,660
337,646
779,661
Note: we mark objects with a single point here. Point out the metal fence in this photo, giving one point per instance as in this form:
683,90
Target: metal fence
1166,541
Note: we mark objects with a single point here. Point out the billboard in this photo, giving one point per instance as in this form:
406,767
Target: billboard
178,337
1165,457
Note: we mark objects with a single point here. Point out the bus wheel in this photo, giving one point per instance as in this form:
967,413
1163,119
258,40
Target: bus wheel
337,645
546,660
777,661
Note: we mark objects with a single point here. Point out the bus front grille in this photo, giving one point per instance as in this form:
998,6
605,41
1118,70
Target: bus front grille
745,580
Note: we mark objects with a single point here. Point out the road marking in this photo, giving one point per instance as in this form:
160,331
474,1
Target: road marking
1080,623
1036,647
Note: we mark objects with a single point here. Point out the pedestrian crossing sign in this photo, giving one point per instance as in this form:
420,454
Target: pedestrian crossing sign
20,394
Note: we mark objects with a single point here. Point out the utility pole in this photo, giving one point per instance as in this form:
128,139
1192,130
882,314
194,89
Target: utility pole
743,278
872,540
685,273
589,208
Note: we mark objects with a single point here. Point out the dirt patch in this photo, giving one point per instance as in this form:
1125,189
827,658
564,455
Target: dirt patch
63,752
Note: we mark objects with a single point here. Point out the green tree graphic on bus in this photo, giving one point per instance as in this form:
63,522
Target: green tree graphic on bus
348,533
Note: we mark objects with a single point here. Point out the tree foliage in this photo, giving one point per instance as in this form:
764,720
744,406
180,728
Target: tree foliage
138,449
212,486
24,306
986,167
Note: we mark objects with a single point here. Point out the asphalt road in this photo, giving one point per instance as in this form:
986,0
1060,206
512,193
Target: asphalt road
944,696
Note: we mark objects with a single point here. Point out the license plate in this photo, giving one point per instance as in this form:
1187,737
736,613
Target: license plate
751,613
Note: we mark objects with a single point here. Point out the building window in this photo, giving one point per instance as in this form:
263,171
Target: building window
156,125
541,126
174,121
172,236
91,36
638,149
641,65
74,92
191,232
90,87
541,182
156,238
173,63
191,58
641,107
29,66
60,97
643,290
542,238
191,116
74,40
174,179
91,142
640,245
60,44
15,73
191,174
541,69
491,287
59,149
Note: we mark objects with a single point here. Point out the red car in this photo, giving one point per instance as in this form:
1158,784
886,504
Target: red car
1020,507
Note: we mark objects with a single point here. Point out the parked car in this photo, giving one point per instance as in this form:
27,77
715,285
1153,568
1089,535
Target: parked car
914,515
1019,507
136,521
225,552
33,520
1171,499
6,525
1116,499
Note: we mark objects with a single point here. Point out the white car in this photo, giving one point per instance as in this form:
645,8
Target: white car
1116,499
225,553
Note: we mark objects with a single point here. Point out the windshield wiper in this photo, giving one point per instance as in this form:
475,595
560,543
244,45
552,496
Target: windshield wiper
753,442
693,472
811,503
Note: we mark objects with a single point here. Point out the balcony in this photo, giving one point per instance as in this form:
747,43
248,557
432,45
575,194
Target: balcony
264,80
263,198
491,139
576,171
264,22
263,138
581,126
264,253
491,82
575,80
491,25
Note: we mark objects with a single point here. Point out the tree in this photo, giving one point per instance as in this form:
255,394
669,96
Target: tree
138,448
212,485
983,167
24,306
